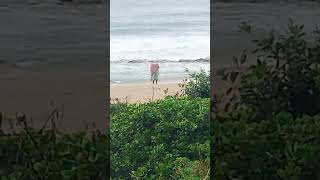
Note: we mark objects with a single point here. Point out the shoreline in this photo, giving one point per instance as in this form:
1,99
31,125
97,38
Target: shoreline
163,60
138,73
124,83
142,93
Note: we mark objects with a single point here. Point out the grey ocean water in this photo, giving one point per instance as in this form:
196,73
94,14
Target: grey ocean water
176,33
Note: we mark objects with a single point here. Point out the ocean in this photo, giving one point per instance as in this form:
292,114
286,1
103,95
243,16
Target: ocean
174,33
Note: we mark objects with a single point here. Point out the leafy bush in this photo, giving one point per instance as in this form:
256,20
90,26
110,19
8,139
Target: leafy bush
198,85
286,76
272,150
147,140
272,133
40,154
193,170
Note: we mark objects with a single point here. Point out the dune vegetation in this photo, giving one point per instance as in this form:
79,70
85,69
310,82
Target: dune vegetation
163,139
269,129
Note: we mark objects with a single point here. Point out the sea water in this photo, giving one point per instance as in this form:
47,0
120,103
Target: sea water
174,33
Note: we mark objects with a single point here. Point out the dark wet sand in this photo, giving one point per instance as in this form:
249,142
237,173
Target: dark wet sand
80,97
263,17
45,36
54,55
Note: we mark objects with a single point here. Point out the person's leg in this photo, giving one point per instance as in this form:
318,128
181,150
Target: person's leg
152,79
156,77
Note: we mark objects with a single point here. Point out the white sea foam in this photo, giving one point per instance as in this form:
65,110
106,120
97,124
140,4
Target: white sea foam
170,48
165,31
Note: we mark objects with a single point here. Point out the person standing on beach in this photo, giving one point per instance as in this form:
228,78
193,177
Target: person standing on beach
154,69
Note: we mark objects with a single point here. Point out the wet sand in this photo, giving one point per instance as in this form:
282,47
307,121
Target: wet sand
47,36
263,17
54,55
141,93
81,99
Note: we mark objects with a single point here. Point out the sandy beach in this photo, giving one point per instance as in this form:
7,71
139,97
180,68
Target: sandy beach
54,55
143,92
81,99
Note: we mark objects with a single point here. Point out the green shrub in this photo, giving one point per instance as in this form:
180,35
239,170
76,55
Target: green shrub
192,170
286,75
197,85
147,139
275,149
274,134
45,155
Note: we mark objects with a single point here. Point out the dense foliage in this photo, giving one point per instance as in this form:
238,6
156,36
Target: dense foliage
162,139
45,155
249,148
197,85
272,131
286,76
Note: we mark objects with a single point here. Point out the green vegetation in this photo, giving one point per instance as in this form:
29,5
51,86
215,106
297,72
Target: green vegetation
47,154
197,85
270,127
163,139
278,148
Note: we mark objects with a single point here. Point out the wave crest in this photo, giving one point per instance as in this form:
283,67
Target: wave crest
199,60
